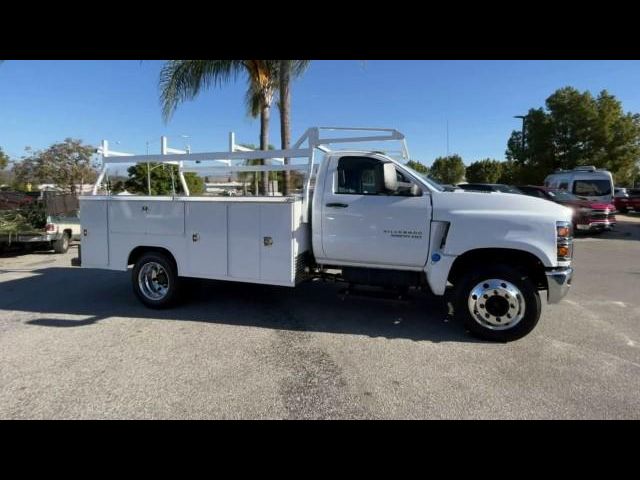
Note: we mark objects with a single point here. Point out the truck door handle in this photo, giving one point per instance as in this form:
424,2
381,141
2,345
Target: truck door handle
337,205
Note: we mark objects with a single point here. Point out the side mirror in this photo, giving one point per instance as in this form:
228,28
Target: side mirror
390,177
416,191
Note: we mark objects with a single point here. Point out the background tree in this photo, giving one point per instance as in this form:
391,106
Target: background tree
67,165
4,159
448,170
418,167
484,171
182,80
510,173
575,129
163,179
286,70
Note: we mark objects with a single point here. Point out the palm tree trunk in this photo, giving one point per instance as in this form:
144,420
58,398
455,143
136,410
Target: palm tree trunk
285,120
264,145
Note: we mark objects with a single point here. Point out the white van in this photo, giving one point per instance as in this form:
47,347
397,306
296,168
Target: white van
587,182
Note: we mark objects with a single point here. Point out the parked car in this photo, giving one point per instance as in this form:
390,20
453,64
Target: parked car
489,187
585,181
629,202
37,220
588,216
620,193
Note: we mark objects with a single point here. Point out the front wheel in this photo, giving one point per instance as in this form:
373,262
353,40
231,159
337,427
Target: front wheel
155,280
497,303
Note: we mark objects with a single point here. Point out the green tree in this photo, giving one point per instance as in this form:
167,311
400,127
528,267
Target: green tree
418,167
4,159
67,165
484,171
182,80
575,129
287,69
510,173
448,170
164,178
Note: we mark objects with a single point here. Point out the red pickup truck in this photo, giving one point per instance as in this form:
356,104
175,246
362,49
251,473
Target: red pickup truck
630,202
588,216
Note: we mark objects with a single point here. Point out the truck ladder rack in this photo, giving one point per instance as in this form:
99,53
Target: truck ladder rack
312,138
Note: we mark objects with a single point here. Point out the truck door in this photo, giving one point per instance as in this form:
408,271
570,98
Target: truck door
363,223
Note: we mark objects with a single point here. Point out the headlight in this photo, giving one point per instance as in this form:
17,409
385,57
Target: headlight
564,241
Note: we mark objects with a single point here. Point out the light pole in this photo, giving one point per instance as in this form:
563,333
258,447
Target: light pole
523,117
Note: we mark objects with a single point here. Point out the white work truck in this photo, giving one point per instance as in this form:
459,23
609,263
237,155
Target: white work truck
363,217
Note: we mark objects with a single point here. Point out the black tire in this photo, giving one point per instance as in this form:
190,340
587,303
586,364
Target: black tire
168,272
62,244
532,310
624,210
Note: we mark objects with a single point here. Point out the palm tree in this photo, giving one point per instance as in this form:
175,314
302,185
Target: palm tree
287,69
182,80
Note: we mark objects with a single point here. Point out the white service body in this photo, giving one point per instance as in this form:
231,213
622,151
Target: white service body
223,238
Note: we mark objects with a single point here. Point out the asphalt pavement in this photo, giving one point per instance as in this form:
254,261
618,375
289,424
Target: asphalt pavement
75,343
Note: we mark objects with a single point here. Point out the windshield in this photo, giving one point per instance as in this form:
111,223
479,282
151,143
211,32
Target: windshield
595,188
433,183
508,189
561,195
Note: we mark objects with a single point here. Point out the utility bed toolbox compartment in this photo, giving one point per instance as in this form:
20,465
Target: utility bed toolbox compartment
258,240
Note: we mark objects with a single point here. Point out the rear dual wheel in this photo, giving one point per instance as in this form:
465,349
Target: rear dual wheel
155,280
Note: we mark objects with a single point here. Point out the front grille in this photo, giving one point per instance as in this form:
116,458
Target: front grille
601,215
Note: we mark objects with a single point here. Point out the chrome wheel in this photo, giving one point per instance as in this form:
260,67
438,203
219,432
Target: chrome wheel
496,304
153,281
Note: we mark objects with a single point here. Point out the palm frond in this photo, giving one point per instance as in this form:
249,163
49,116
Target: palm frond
182,80
298,67
262,84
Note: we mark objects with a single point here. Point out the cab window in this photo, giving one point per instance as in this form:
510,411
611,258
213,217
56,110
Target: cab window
360,176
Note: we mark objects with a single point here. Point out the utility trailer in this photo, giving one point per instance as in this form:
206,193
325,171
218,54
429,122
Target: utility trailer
362,217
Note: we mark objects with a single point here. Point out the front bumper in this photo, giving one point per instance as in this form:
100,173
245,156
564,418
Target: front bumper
596,225
559,282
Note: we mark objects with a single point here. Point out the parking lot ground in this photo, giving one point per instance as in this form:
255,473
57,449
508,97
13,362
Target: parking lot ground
75,343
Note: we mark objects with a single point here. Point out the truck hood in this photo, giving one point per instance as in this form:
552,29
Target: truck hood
490,220
497,204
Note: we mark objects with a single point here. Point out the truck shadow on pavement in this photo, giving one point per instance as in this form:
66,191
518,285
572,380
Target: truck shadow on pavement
99,295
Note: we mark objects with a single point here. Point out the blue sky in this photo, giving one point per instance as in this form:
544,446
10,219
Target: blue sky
42,102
